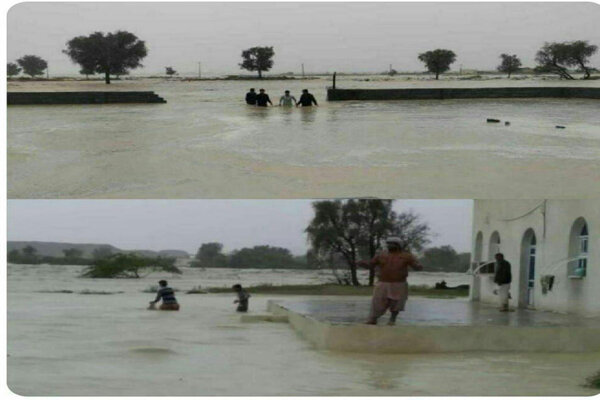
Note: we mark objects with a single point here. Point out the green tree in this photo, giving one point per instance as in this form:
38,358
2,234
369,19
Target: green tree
210,255
554,58
12,69
87,71
356,228
257,59
580,52
445,258
438,61
14,256
32,65
30,251
109,54
72,253
129,266
509,64
262,257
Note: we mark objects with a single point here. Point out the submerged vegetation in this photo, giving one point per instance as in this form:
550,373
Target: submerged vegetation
129,266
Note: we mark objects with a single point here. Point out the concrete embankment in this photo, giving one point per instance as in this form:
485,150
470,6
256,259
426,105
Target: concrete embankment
426,334
51,98
463,93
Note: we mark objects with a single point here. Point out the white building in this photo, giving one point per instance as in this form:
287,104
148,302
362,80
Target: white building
545,241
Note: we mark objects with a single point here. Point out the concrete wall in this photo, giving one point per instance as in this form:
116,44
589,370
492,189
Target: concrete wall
463,93
362,338
551,222
40,98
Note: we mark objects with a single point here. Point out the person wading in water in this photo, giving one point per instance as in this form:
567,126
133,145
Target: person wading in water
251,97
287,100
391,290
307,99
262,99
169,302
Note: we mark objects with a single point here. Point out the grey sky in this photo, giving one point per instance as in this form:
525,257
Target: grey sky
358,37
185,224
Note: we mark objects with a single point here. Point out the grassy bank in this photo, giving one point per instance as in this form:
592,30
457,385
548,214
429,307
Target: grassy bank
339,290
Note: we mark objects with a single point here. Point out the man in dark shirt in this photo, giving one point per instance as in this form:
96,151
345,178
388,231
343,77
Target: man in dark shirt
502,278
262,99
251,97
242,300
169,302
307,99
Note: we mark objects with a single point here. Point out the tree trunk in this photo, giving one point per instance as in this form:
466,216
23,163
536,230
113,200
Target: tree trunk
107,78
509,74
437,76
355,281
259,74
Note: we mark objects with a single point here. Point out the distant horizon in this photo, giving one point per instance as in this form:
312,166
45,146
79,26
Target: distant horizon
186,224
361,37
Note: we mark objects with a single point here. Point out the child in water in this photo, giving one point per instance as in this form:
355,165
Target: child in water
242,300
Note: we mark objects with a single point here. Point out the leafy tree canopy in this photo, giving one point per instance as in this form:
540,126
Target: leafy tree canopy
129,266
557,57
510,64
258,59
109,54
12,69
438,61
32,65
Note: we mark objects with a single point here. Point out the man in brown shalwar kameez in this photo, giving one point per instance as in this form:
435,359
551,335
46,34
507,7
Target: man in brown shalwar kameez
391,290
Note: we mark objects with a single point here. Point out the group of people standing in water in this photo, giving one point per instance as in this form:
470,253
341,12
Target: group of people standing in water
261,99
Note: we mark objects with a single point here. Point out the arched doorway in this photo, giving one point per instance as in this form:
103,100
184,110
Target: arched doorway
578,248
527,270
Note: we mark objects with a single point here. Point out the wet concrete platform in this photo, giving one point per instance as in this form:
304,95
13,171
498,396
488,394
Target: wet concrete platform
437,325
435,312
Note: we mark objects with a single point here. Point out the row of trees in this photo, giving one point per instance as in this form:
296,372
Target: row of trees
30,65
119,52
555,57
210,255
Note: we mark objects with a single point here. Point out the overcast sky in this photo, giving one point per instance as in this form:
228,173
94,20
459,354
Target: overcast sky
185,224
351,37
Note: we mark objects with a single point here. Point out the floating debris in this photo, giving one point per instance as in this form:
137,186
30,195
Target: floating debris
492,120
560,127
506,123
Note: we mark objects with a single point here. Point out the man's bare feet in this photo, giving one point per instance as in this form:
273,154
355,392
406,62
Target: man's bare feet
371,322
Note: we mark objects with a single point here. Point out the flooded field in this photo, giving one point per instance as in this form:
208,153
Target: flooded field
74,344
206,143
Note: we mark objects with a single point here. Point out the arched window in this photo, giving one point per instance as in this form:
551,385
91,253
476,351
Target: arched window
527,271
578,249
493,248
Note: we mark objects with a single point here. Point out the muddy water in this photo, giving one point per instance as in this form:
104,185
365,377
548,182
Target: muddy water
205,143
74,344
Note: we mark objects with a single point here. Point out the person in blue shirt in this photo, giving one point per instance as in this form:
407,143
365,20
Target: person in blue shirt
169,302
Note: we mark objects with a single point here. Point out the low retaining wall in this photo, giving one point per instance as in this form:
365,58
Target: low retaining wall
41,98
362,338
463,93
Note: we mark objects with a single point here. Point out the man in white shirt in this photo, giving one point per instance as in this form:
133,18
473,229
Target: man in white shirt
287,100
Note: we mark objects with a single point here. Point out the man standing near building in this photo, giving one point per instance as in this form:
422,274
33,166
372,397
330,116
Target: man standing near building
502,278
391,290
